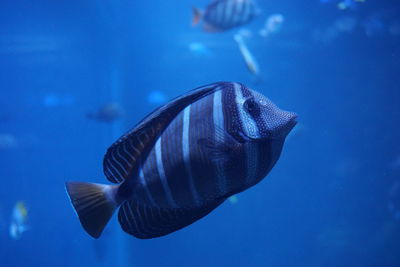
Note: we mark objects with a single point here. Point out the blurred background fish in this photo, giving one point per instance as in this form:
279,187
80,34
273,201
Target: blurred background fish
52,100
19,219
233,199
108,113
222,15
273,24
198,49
346,24
346,4
248,57
156,97
341,25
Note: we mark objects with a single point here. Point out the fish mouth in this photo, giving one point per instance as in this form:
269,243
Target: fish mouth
283,131
293,121
288,127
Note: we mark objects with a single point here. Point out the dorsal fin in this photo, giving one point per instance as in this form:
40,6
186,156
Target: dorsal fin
122,158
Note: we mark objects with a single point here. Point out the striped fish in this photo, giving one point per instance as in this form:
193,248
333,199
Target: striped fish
222,15
183,160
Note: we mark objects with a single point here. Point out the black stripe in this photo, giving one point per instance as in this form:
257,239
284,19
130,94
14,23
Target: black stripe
154,184
202,126
236,171
259,120
174,168
243,13
210,15
245,91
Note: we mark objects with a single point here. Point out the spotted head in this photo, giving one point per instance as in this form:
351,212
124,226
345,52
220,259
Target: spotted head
257,118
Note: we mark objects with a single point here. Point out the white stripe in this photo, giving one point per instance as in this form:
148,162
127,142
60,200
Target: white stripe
117,162
146,188
250,128
123,157
161,173
129,219
116,173
133,146
186,153
218,118
132,157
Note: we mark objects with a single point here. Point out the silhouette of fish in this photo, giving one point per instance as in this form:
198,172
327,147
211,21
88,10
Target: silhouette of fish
222,15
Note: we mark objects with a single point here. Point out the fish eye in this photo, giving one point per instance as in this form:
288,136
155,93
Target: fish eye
252,107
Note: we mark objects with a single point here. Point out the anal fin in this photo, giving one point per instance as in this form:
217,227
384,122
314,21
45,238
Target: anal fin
146,222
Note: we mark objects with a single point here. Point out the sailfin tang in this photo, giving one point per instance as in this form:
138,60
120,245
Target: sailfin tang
149,222
93,203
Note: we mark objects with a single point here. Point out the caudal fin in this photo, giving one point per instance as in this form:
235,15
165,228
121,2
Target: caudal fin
196,16
94,204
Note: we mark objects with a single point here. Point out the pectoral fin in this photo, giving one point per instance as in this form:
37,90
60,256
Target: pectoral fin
221,147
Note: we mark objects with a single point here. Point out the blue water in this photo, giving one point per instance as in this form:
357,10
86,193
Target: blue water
331,200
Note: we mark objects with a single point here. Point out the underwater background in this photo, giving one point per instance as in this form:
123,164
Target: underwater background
333,199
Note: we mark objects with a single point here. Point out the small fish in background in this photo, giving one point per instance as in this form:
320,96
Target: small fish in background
245,33
341,25
348,4
7,141
156,98
198,49
19,219
346,24
233,199
248,58
273,24
53,100
222,15
108,113
344,4
326,35
184,160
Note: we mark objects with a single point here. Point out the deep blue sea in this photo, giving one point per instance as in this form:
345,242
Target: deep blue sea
333,198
